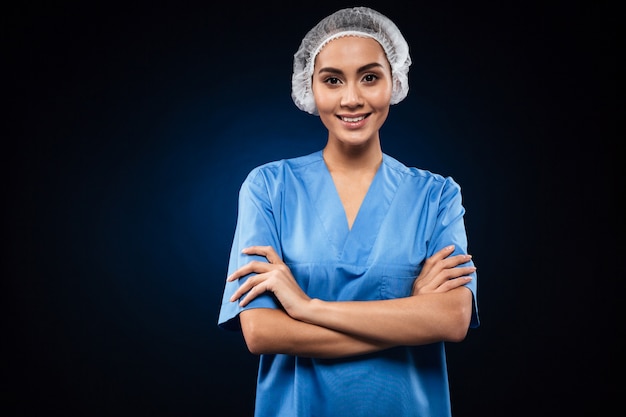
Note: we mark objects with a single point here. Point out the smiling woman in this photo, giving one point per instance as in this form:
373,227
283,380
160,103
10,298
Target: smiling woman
352,100
349,270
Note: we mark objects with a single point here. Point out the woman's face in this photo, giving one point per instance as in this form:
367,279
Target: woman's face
352,88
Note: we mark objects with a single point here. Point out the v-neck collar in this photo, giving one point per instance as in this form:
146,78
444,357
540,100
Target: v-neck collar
351,244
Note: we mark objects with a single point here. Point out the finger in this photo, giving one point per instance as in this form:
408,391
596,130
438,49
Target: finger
432,266
248,285
458,272
243,288
253,293
267,251
249,268
444,276
438,256
454,283
240,273
456,260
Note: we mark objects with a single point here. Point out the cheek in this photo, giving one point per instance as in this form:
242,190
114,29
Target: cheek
323,102
380,98
325,116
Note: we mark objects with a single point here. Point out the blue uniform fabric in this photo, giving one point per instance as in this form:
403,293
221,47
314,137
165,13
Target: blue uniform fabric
407,215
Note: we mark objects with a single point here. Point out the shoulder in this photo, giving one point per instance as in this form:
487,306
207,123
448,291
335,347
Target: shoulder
418,175
276,170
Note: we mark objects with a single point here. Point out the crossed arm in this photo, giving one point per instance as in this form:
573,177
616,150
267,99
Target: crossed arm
439,309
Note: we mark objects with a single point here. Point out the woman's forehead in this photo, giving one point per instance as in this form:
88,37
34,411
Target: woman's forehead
347,50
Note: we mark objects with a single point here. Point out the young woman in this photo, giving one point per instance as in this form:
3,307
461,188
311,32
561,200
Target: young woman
349,270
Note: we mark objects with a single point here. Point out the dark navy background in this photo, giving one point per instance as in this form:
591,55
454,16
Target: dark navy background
128,130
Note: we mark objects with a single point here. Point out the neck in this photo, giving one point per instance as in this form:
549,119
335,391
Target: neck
339,157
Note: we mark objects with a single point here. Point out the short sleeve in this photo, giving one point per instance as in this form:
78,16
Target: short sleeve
450,230
255,227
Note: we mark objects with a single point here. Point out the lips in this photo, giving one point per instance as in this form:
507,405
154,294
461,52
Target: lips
352,119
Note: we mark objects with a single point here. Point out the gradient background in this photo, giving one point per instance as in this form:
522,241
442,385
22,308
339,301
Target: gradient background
129,128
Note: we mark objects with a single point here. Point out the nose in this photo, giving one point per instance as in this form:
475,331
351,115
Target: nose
351,96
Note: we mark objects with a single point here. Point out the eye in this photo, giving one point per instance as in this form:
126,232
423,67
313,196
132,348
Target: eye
370,78
332,80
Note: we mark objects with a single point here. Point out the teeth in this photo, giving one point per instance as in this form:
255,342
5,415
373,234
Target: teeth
352,119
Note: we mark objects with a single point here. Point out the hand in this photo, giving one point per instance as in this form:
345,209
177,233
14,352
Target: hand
442,273
274,276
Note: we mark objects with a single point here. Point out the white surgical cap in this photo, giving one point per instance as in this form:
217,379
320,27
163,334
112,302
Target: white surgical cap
356,21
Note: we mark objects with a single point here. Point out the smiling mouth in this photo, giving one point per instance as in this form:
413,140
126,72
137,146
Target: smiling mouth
352,119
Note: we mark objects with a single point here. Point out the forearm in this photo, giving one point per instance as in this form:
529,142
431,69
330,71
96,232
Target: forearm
270,331
415,320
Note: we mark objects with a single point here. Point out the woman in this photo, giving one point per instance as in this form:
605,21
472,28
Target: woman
349,270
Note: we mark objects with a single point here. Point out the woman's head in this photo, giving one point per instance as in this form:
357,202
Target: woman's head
356,21
352,87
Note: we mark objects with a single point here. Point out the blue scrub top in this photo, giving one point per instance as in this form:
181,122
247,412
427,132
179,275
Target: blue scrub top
407,215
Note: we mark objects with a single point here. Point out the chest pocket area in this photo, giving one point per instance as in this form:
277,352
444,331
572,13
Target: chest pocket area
397,283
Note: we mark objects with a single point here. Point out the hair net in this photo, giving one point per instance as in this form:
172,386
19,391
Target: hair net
356,21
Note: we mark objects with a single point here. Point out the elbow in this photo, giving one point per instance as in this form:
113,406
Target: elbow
254,338
460,318
257,333
457,333
255,346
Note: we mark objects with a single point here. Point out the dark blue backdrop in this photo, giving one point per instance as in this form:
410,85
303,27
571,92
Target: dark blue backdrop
128,131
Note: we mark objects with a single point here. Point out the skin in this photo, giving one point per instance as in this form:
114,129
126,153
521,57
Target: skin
352,86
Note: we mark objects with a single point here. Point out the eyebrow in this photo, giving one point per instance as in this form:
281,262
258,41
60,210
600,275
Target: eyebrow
361,69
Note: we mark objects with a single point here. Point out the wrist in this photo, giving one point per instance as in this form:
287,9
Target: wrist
310,310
